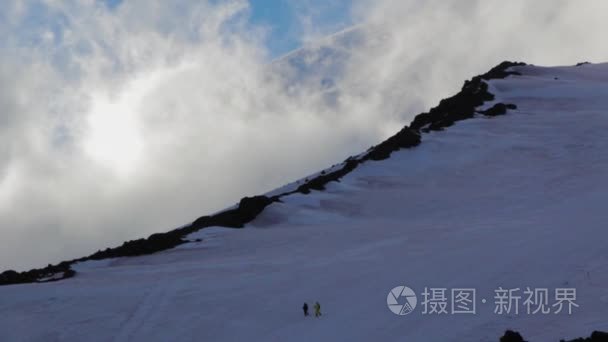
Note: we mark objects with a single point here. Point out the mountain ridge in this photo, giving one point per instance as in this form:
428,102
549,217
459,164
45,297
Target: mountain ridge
461,106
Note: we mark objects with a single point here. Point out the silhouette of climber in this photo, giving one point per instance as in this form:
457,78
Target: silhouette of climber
305,308
317,309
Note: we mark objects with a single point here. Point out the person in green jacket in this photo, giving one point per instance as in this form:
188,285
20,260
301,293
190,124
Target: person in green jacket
317,309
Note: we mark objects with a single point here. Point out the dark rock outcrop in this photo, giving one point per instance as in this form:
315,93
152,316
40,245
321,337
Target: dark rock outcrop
43,275
498,109
247,210
500,71
512,336
596,336
403,139
319,182
462,105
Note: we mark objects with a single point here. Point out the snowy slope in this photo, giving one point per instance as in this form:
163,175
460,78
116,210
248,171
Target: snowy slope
512,201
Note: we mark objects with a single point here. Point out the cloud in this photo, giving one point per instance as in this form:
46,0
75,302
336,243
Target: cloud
418,52
125,121
120,122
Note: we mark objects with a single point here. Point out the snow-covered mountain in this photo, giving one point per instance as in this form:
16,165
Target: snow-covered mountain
500,187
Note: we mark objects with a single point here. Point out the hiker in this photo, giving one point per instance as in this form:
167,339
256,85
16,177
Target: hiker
317,309
305,308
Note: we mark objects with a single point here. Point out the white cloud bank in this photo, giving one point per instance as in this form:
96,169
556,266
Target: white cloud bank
117,123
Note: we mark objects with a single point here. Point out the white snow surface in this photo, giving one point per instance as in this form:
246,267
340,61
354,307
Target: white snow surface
512,201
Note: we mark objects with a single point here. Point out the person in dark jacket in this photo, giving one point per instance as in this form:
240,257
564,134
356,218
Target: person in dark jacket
305,308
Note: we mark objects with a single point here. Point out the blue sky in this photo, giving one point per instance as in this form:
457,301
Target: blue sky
283,18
